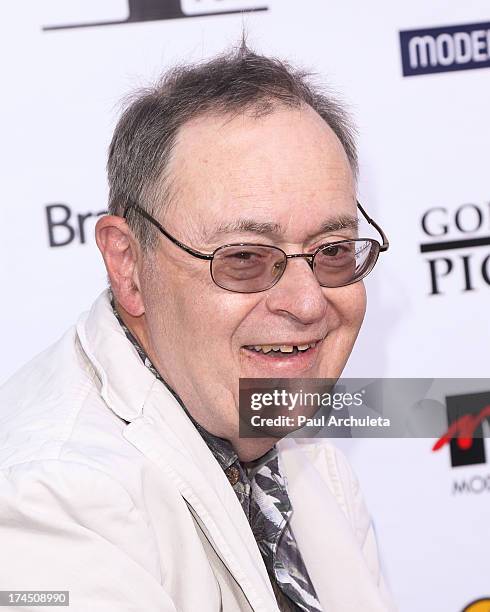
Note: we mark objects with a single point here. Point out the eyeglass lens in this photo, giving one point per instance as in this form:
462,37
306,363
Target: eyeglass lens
251,268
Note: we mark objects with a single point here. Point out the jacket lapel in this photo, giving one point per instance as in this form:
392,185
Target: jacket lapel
168,438
160,429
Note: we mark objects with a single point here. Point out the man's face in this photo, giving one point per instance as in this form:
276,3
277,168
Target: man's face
288,169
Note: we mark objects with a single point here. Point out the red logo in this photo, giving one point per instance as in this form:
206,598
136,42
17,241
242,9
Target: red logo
464,436
463,430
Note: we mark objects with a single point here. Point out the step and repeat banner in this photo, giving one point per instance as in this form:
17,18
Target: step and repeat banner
416,78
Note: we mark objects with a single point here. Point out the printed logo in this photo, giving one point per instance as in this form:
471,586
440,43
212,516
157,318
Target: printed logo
65,227
452,247
445,49
65,14
466,415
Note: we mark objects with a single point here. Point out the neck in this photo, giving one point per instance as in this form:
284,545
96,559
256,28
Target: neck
136,325
249,449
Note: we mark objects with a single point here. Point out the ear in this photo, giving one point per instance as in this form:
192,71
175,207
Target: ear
121,255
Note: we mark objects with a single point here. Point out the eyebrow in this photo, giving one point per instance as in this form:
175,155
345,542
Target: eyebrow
275,230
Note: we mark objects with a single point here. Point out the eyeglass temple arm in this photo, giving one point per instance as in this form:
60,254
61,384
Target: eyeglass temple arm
383,247
386,242
183,246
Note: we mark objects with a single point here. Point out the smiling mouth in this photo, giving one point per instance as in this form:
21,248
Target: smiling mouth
278,351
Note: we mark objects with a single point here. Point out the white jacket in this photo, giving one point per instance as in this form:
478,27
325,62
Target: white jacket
139,516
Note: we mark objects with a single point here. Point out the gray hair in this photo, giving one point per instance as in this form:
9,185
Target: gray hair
237,81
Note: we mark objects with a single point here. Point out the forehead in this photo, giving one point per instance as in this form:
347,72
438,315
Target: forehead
274,168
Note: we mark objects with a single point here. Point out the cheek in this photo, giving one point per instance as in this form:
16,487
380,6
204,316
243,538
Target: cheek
349,304
358,303
210,319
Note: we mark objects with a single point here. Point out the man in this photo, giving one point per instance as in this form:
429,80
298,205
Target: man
124,479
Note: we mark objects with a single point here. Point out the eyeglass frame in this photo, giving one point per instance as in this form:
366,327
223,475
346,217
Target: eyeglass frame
308,256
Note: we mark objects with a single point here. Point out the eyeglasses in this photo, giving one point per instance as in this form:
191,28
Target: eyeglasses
252,268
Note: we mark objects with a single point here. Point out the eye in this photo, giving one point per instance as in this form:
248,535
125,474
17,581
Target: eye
337,250
336,255
331,250
244,257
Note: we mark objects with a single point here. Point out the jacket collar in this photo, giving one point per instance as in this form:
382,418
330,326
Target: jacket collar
161,430
125,382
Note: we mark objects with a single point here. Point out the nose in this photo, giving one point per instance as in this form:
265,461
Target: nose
297,294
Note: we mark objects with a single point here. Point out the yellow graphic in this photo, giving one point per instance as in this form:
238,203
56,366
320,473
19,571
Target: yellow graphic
481,605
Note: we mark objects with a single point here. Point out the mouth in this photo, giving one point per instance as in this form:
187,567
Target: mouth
287,358
279,350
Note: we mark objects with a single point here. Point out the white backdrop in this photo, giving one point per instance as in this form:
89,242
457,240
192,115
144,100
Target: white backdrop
423,146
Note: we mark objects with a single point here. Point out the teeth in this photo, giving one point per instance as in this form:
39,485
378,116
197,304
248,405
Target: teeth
283,348
266,348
